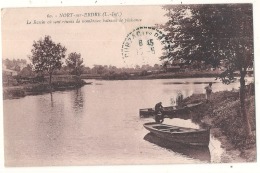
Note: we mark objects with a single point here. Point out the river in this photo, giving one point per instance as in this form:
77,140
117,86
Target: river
99,124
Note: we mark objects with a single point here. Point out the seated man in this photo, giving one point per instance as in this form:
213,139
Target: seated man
158,107
158,113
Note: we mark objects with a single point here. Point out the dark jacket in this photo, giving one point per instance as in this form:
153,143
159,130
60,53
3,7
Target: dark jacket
158,107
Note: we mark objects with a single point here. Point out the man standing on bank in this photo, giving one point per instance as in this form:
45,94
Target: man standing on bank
208,91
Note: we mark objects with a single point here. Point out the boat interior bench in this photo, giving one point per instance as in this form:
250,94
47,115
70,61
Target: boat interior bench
177,129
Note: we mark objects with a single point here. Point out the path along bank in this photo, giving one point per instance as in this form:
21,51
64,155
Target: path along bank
222,115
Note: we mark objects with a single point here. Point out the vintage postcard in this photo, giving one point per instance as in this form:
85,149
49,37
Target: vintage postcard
128,85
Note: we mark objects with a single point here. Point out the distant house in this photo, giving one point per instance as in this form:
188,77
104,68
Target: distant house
8,72
8,76
149,72
171,68
250,71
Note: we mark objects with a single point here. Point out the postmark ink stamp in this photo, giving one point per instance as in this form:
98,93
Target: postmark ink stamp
144,45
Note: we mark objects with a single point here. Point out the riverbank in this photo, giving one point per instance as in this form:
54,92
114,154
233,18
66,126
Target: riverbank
12,92
222,115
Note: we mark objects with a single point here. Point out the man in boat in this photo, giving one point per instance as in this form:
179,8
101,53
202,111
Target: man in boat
159,117
208,91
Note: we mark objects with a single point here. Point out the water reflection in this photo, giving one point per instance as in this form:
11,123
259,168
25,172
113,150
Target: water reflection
200,153
78,100
49,127
184,115
52,103
186,83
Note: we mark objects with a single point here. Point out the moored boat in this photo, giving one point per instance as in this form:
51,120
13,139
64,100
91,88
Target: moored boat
189,136
201,153
169,111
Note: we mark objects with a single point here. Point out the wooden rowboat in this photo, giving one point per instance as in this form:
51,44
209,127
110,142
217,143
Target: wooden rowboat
169,111
201,153
189,136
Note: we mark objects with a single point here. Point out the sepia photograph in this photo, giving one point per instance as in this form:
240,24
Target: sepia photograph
128,85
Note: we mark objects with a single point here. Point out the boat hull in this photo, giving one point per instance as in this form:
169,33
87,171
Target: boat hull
196,152
189,136
168,112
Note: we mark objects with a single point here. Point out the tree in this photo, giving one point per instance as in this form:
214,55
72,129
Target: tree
15,64
26,71
47,56
98,69
212,33
86,70
74,62
156,66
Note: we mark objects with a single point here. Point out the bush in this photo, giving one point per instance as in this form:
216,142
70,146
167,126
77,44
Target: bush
39,88
7,94
117,76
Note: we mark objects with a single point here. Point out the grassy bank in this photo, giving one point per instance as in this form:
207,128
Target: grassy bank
223,115
12,92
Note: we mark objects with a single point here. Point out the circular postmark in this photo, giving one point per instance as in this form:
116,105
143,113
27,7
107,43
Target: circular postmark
144,45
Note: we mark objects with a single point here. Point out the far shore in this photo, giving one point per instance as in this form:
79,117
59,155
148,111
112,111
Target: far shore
66,82
149,76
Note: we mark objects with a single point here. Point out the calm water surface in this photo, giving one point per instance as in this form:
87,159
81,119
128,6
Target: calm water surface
99,124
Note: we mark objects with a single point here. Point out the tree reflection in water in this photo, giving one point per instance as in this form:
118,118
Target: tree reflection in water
52,104
78,100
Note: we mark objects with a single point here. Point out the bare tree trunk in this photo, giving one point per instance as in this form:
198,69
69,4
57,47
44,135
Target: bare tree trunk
50,78
242,104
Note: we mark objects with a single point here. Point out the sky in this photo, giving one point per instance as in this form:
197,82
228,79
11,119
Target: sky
98,43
